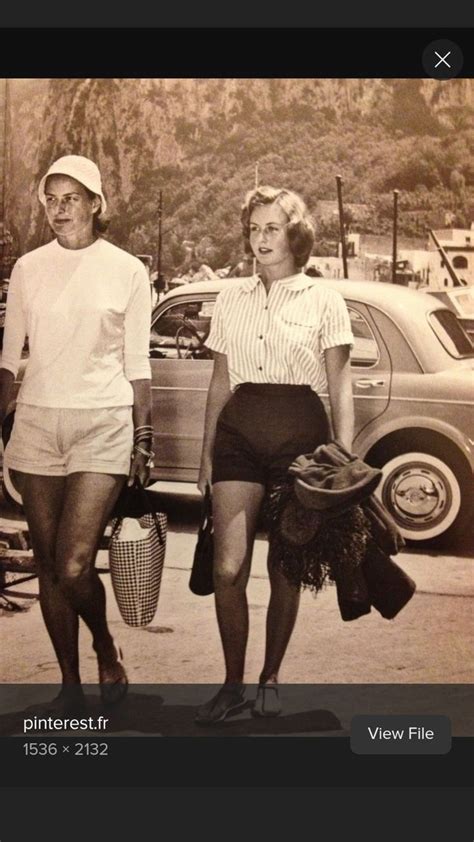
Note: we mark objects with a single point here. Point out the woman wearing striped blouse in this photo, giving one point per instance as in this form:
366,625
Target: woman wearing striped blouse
279,339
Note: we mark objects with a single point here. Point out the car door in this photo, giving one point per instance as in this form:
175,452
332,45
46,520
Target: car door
370,366
181,373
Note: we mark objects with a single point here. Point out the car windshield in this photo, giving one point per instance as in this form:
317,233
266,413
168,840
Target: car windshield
451,334
180,332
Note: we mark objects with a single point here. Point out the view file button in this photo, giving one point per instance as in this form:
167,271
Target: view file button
401,734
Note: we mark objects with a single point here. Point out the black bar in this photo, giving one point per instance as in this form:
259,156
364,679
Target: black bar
225,53
199,15
225,762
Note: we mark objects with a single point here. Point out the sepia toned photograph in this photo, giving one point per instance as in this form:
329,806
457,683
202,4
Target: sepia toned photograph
236,387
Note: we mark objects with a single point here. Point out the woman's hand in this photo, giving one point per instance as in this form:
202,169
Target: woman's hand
205,474
138,469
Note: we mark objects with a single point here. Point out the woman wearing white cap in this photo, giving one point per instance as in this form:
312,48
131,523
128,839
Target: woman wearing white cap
83,417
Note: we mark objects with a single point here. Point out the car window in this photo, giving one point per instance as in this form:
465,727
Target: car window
464,302
451,334
365,352
181,330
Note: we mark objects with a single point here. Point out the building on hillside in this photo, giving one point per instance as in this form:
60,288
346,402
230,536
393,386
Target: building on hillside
418,261
458,244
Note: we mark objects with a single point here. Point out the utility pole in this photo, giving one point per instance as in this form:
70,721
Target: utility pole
159,279
342,227
395,232
254,264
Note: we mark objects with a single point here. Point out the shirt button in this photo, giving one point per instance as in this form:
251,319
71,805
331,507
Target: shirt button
260,337
260,368
266,307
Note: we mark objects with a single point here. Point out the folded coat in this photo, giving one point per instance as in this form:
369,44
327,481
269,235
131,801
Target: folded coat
329,525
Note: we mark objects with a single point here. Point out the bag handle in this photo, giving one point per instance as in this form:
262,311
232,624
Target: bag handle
206,510
137,485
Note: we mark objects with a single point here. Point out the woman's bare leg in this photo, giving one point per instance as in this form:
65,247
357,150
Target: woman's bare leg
42,501
88,502
281,618
235,511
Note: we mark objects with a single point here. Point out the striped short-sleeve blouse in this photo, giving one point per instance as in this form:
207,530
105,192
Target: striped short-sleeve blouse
279,337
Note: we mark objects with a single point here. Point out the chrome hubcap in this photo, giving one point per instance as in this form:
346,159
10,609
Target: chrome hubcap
418,494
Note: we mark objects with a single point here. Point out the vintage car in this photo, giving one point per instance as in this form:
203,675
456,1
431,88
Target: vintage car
412,368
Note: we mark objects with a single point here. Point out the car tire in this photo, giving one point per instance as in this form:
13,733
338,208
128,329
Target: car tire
428,493
10,492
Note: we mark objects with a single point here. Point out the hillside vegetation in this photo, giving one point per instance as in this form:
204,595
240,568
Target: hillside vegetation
199,140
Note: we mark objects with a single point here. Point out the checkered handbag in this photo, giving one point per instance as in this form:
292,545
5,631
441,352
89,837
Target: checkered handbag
136,567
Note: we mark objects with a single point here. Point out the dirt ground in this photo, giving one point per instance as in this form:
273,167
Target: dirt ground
430,641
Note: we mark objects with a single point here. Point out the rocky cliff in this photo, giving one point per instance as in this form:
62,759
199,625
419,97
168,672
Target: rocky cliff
199,139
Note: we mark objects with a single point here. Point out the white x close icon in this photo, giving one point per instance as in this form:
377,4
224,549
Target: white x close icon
442,59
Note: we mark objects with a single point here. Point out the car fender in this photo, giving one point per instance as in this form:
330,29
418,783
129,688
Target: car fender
374,433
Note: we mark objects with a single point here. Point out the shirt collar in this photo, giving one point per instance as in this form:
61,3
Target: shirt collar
250,283
293,282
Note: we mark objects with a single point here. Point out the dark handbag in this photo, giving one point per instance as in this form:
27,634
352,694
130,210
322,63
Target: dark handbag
201,579
136,501
136,554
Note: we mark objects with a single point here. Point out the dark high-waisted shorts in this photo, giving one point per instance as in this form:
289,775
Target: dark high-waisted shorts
262,428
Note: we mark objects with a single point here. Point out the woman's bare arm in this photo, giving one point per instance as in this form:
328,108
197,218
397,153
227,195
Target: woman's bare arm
338,373
217,396
141,416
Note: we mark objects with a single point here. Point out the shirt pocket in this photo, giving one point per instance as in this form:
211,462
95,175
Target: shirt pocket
299,326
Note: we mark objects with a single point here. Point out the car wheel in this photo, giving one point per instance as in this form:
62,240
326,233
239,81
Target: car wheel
10,492
427,494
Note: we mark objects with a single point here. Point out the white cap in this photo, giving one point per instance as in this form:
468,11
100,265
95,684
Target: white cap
82,169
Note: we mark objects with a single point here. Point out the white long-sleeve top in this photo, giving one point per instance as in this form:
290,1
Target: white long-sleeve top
279,337
86,313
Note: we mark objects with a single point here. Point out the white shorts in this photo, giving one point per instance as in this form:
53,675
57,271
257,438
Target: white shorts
55,442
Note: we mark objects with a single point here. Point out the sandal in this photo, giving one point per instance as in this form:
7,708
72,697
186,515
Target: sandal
229,699
113,682
267,702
